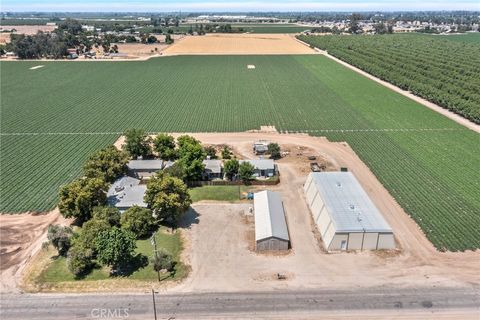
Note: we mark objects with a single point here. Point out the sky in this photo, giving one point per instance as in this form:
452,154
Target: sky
234,5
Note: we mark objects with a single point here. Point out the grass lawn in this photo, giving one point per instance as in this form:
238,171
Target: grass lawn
57,270
217,193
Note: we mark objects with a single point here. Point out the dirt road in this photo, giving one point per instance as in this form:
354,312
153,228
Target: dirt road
219,238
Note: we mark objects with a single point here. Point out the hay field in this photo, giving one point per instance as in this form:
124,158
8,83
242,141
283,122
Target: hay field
244,44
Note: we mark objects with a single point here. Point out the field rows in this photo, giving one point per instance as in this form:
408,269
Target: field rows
430,164
442,71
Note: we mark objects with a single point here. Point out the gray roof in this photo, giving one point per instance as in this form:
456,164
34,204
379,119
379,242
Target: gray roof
348,205
152,164
261,164
126,192
213,165
269,216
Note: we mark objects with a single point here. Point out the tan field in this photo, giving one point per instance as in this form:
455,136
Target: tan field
239,44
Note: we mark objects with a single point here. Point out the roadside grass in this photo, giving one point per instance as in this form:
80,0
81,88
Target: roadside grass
54,273
218,193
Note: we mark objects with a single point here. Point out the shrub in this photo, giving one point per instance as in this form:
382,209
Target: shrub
60,238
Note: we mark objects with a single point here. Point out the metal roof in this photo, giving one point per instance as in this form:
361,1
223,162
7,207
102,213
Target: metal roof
213,165
261,164
348,205
126,192
153,164
269,216
120,184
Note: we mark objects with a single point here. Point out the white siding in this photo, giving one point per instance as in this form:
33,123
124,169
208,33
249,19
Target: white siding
370,241
328,235
386,241
336,243
355,241
323,221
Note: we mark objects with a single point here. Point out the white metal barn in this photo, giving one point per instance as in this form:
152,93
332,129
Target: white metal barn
344,214
271,231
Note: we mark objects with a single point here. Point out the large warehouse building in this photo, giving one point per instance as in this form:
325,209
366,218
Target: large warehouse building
271,231
345,216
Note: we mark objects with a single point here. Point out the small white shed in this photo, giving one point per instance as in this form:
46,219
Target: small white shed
271,232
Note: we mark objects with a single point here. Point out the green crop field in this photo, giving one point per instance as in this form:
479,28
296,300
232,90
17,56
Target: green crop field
439,70
466,37
53,117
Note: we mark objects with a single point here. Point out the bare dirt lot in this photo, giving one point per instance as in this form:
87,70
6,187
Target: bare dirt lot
239,44
5,36
21,237
220,249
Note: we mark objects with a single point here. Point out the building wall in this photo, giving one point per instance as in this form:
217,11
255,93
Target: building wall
370,241
386,241
271,244
336,242
355,241
141,173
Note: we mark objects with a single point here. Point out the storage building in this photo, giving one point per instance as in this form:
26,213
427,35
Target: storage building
271,231
344,214
146,168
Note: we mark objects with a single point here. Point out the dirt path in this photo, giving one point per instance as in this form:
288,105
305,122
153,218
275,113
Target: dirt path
219,235
447,113
21,236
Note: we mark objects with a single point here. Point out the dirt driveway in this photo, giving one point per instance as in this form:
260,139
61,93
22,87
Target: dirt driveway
222,261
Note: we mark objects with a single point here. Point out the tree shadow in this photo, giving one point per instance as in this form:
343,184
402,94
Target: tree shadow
137,262
188,219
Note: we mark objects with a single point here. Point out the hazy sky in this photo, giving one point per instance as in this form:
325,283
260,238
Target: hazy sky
235,5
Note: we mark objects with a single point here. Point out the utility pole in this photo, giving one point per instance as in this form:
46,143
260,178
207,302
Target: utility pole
154,244
154,307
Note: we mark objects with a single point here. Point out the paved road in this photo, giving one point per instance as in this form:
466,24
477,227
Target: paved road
253,304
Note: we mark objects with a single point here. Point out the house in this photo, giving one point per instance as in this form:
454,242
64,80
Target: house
271,232
146,168
344,214
264,168
125,193
260,147
213,169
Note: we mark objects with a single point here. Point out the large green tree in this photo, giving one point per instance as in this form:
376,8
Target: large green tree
245,172
139,221
274,150
137,143
78,198
111,215
191,155
231,168
164,145
115,247
168,197
109,163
